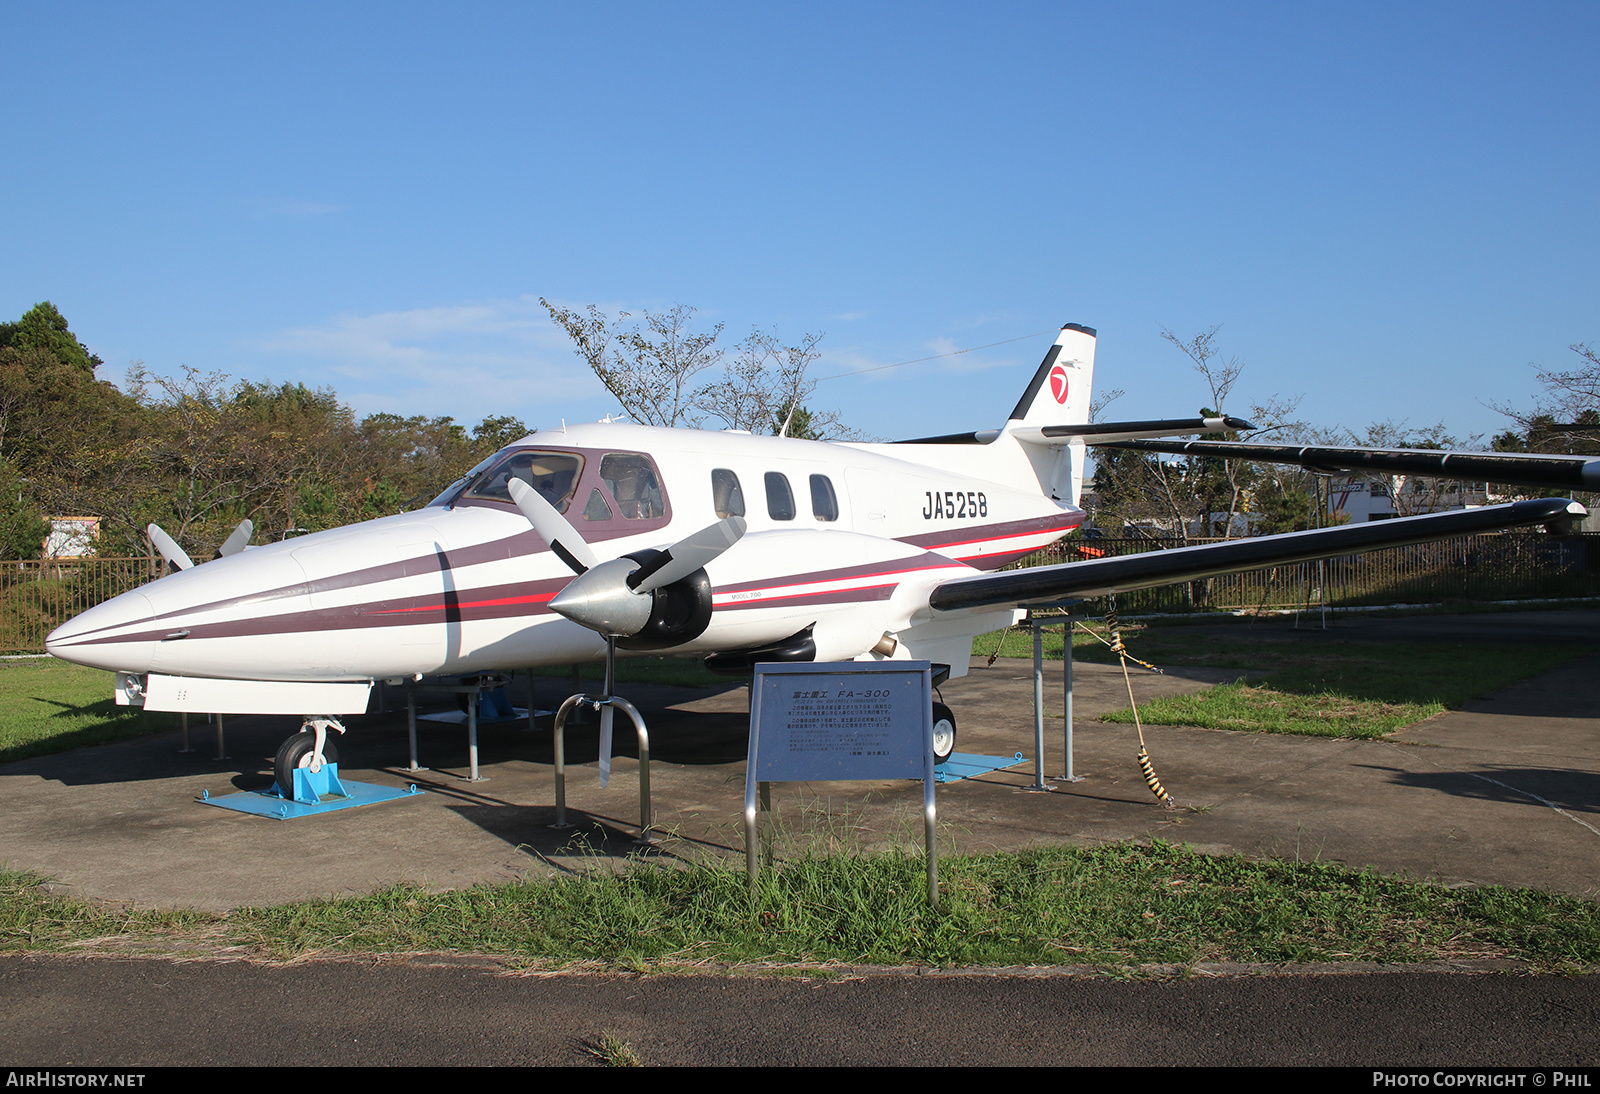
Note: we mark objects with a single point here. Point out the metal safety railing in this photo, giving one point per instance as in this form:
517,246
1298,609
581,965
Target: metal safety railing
1495,566
39,595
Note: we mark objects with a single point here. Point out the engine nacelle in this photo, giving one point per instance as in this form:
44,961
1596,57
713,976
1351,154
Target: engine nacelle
679,612
602,599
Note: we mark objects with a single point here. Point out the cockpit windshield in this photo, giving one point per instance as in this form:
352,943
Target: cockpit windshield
448,494
553,474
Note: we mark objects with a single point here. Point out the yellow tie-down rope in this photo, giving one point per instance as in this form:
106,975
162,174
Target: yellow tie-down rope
1146,768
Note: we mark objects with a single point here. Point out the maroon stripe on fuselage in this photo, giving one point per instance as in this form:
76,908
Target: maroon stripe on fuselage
856,595
909,564
520,544
946,540
494,602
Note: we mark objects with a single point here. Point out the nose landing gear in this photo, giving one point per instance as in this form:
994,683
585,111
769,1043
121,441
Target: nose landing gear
312,753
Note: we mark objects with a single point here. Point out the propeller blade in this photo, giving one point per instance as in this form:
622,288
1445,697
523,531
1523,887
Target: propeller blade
687,555
552,527
236,539
168,548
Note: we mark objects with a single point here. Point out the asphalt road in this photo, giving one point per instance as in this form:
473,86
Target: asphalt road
128,1013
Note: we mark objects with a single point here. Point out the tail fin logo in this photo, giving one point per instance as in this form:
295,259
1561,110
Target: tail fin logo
1058,384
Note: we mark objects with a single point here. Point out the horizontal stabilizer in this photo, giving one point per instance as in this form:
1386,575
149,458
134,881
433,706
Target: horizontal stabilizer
982,436
1103,432
1511,468
1101,576
1096,432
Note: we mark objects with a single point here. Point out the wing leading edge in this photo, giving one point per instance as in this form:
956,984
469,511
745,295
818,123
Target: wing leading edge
1099,577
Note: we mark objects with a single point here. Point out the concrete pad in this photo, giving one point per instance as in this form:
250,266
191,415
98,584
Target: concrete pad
1505,791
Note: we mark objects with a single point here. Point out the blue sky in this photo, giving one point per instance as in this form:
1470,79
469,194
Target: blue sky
1390,209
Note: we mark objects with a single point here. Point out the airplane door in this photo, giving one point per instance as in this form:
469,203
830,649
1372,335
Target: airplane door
868,500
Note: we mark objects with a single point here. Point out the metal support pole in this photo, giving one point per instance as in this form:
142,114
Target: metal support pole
1038,705
928,817
561,759
411,723
472,739
222,753
1066,665
752,822
183,719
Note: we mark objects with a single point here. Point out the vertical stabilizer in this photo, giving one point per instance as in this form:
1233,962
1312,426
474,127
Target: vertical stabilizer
1059,395
1061,389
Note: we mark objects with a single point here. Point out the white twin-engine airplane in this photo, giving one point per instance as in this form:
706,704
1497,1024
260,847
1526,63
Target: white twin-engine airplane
737,547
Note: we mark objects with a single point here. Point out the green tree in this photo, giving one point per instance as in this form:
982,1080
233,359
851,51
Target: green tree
493,434
23,528
1282,508
42,327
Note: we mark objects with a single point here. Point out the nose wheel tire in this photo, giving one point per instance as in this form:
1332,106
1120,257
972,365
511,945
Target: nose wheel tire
295,753
944,733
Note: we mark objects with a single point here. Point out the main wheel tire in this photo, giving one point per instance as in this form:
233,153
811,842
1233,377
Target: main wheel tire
944,733
295,753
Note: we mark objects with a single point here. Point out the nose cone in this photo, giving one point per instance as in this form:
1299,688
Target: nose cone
115,635
601,600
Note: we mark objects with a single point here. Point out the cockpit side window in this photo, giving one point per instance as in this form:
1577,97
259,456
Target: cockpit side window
597,509
553,474
632,481
726,496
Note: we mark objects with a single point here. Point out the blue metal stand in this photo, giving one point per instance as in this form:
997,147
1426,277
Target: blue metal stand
969,765
319,792
310,787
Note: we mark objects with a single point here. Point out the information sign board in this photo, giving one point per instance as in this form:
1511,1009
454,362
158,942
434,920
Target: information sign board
848,720
822,721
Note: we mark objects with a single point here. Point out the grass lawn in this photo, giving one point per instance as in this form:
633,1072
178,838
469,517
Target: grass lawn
1325,689
1111,905
48,705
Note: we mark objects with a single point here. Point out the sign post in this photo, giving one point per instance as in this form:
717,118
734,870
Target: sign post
845,720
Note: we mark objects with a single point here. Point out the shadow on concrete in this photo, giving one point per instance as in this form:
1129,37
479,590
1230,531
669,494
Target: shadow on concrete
1571,789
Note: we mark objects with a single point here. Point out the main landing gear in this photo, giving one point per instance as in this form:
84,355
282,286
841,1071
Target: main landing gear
944,733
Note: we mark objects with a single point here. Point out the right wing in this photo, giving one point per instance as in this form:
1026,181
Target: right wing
1102,576
1512,468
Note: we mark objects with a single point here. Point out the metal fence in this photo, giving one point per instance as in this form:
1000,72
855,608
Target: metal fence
36,597
1496,566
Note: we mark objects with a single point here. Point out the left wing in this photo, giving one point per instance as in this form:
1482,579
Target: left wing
1101,576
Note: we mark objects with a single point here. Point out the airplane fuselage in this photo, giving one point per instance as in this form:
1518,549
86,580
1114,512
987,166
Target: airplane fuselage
847,539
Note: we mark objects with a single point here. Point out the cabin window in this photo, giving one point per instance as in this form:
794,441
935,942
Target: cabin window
726,497
597,509
553,474
632,481
824,503
780,499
